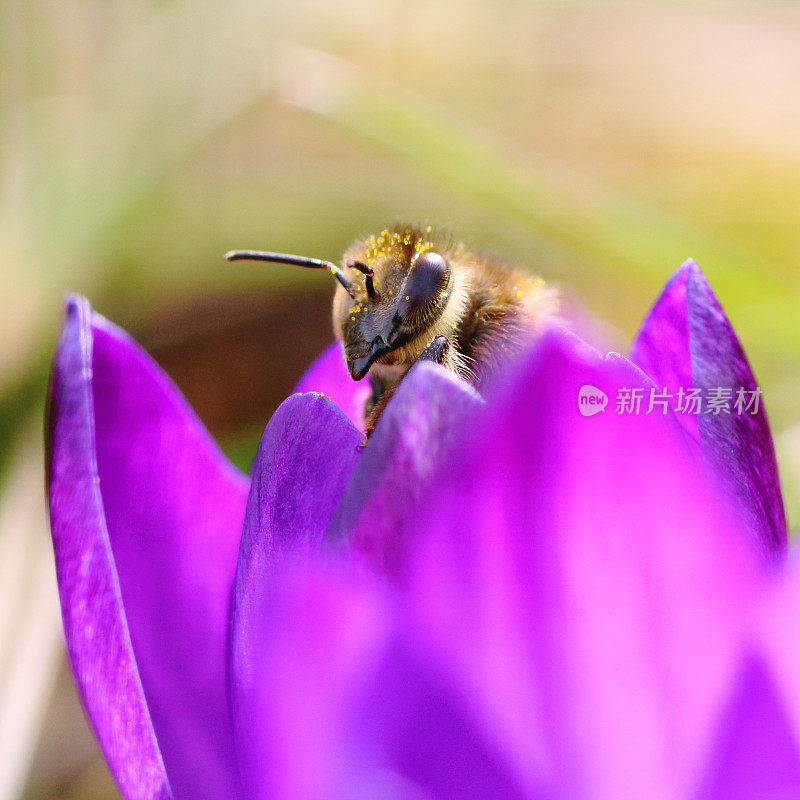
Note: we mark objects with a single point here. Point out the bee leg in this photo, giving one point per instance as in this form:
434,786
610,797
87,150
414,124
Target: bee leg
376,402
376,410
374,397
436,351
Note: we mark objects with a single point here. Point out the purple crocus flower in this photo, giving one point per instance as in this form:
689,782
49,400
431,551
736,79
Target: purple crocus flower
495,597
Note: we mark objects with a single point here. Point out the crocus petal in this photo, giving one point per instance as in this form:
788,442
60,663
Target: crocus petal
425,418
97,634
146,515
662,347
342,706
574,573
777,647
306,455
687,341
755,752
312,638
328,375
414,729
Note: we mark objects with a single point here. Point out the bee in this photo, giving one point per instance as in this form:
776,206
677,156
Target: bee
408,294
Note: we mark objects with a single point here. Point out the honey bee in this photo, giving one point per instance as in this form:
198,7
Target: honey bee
408,294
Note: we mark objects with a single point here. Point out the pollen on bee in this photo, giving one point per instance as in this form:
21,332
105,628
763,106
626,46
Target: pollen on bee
407,297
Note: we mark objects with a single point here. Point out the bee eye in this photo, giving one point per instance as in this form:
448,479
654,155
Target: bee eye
426,280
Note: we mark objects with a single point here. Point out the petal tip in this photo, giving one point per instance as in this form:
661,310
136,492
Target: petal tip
428,371
76,305
325,402
698,282
690,265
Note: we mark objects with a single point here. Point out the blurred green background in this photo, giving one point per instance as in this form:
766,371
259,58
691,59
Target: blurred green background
598,144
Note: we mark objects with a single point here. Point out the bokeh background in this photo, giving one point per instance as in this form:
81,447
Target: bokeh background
598,143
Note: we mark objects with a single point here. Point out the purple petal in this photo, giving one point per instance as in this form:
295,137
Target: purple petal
778,645
328,375
662,346
687,341
312,637
97,633
584,583
342,706
424,420
305,458
306,455
755,753
128,457
413,723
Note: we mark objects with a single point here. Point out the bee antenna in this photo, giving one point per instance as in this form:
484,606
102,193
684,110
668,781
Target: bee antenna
369,272
297,261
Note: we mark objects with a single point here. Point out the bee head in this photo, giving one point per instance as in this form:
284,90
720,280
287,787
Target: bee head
401,286
392,289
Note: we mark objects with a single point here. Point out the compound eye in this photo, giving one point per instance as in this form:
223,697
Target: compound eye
426,280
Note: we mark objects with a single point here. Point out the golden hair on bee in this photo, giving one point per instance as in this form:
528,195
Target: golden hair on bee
409,293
